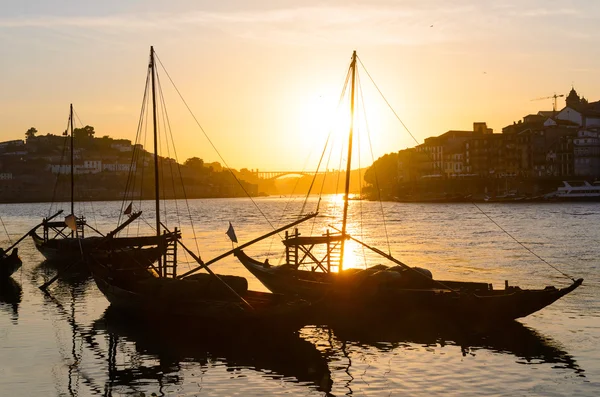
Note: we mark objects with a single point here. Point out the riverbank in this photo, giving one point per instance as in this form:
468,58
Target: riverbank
467,190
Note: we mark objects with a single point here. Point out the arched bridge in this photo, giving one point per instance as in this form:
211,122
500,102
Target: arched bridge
278,174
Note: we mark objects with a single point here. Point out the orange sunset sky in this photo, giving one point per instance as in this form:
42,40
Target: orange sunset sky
263,77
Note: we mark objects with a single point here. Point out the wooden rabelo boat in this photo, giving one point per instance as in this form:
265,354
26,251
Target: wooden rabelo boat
150,286
65,240
9,258
399,289
9,263
394,289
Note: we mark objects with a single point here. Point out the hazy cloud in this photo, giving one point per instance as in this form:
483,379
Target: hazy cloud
373,24
379,23
546,12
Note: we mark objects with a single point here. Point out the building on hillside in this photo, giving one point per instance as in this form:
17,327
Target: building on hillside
59,168
454,161
17,144
586,153
15,153
529,122
544,141
412,165
122,145
485,155
548,144
90,167
118,167
579,111
533,147
444,154
552,151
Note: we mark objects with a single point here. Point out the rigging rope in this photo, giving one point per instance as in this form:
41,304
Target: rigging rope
329,134
6,231
212,145
387,103
131,177
91,203
161,159
331,147
167,122
521,244
316,173
58,174
387,236
472,202
359,93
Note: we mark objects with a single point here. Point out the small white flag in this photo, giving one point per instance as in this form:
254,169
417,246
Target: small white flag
71,222
231,233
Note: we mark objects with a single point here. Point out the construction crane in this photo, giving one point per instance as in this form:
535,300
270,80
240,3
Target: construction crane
549,97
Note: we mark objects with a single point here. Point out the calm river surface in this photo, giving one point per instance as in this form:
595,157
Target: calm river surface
70,343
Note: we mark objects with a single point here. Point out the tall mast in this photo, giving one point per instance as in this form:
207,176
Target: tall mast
72,171
349,162
156,188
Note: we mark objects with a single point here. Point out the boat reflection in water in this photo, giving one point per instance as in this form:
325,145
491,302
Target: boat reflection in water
349,342
131,355
161,353
511,338
65,273
10,297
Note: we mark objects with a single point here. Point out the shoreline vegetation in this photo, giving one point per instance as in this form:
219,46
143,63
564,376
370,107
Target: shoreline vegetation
479,190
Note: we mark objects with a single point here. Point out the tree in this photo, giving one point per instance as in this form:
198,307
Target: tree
195,163
215,166
31,133
383,176
383,171
85,132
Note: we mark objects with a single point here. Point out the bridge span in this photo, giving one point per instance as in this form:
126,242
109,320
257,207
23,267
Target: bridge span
278,174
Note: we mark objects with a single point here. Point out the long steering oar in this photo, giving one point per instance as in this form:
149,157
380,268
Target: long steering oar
205,264
32,230
45,286
201,263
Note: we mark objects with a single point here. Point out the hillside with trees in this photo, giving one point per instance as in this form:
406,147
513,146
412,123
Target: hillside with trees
38,169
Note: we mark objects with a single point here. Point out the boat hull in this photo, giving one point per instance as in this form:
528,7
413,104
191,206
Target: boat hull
468,302
576,191
576,199
124,288
66,249
9,263
71,250
279,280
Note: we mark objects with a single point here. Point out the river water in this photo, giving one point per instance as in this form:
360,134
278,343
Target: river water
70,343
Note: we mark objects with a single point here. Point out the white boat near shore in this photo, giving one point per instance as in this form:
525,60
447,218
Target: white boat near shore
576,191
